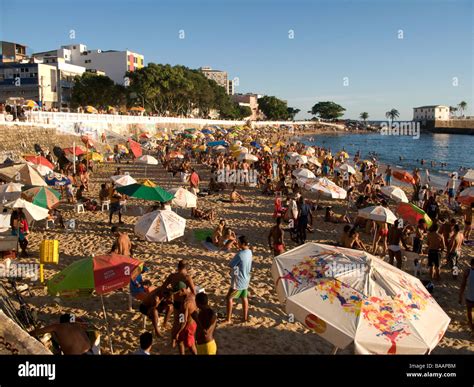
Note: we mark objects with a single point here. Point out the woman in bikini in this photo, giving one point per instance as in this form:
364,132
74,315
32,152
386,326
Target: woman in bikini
380,238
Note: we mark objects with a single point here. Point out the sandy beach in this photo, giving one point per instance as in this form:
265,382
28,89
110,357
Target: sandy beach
269,330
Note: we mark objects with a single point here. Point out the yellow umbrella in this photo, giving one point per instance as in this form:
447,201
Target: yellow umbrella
91,109
137,109
343,154
29,103
108,148
149,183
267,149
94,156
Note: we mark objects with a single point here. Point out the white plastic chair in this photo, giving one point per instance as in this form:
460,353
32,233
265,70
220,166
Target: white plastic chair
80,208
105,205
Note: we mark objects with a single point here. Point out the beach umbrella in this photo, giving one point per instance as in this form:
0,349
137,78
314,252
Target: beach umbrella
217,143
91,109
10,191
135,147
146,159
219,148
145,192
237,143
403,176
255,144
247,157
304,173
469,175
102,274
137,109
57,180
123,180
347,168
94,156
343,154
190,130
145,135
290,155
160,226
299,159
349,296
314,160
378,213
22,173
206,131
412,214
324,187
32,211
310,151
74,150
466,197
42,196
30,104
43,170
394,193
38,160
183,198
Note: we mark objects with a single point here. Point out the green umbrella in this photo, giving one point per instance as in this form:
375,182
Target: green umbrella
42,196
141,191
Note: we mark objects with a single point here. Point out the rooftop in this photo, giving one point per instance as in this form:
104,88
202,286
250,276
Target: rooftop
429,106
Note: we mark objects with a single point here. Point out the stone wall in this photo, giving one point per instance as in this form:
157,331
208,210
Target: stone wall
450,126
17,140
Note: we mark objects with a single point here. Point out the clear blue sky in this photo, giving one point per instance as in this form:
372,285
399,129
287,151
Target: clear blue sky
250,39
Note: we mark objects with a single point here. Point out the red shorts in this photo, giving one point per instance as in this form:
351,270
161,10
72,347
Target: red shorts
279,248
187,335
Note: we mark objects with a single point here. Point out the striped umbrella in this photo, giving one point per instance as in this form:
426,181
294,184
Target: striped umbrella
42,196
38,160
412,214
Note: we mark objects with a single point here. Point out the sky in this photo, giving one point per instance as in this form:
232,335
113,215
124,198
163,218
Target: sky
367,56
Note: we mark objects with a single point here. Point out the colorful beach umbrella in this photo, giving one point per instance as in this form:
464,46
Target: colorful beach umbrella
104,273
378,213
175,155
94,156
349,296
42,196
57,180
43,170
412,214
324,187
394,193
78,151
160,226
91,109
30,104
135,147
403,176
10,191
22,173
32,211
141,191
38,160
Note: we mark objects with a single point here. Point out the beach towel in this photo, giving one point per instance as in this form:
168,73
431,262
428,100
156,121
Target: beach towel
209,246
202,234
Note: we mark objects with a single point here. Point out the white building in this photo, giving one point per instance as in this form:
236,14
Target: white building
431,113
112,63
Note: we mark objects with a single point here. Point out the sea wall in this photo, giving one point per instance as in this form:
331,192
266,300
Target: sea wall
450,126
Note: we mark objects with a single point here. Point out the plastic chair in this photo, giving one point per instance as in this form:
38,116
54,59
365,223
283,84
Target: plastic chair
105,205
80,208
48,221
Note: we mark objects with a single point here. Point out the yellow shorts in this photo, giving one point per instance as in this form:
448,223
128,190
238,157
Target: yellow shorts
207,349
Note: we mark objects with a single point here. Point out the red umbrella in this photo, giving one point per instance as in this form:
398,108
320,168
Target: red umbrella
38,160
412,214
404,176
70,151
135,147
145,135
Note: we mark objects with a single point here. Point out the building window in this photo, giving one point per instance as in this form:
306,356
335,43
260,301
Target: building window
135,59
87,61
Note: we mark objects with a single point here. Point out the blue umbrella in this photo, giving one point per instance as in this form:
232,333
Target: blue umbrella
255,144
206,131
57,180
216,143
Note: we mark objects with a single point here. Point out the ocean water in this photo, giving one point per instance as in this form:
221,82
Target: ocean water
453,149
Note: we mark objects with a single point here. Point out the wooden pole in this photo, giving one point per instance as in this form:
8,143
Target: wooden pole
334,350
74,156
107,325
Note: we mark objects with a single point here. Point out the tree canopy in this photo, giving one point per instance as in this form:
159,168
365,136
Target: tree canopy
273,108
97,91
327,110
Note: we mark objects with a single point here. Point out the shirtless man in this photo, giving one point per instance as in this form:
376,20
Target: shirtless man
184,326
344,241
454,246
235,197
159,300
275,238
395,236
206,320
436,245
468,221
70,336
180,276
122,244
218,232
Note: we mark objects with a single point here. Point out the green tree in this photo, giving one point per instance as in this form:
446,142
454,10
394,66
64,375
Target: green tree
462,107
327,110
364,116
452,111
292,112
391,115
273,108
96,90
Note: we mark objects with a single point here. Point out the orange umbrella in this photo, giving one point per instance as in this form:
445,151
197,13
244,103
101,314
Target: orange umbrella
404,176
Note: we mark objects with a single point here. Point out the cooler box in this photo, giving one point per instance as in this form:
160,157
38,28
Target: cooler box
49,251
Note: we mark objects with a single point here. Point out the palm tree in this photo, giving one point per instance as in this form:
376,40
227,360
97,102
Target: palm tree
462,106
452,111
364,116
391,115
